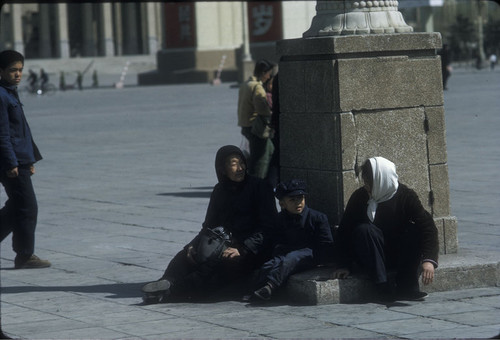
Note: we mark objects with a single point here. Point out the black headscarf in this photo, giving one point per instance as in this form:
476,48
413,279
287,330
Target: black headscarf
220,162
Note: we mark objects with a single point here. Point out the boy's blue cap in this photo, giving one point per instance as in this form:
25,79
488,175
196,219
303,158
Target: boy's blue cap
293,187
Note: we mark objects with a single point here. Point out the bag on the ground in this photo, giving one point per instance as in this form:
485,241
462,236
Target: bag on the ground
211,244
261,127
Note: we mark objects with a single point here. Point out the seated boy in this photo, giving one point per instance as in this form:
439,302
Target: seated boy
303,239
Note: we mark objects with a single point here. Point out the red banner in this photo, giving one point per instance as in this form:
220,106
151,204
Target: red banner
265,21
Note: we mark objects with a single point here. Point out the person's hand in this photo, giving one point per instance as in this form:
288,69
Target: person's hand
340,273
427,273
32,169
231,253
190,255
13,173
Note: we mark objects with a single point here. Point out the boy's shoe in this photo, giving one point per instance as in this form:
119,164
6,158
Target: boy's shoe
30,262
413,295
156,291
247,298
264,293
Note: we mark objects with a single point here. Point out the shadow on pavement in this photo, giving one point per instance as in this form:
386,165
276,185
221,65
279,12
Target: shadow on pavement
116,290
200,192
192,194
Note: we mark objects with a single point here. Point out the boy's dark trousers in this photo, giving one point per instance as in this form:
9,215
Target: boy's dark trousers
277,270
19,215
378,253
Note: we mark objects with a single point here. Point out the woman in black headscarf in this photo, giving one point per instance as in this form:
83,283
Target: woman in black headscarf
244,206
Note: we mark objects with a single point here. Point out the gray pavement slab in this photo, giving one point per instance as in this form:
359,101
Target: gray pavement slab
125,183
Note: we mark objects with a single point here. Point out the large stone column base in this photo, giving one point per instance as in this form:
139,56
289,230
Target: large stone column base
464,270
347,98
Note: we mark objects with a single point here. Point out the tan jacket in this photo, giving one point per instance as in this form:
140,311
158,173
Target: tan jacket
252,101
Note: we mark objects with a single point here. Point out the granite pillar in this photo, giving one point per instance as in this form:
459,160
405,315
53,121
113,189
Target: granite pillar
347,96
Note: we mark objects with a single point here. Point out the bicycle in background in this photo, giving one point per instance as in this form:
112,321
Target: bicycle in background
39,89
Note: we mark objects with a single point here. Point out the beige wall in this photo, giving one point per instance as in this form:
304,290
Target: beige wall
297,17
218,25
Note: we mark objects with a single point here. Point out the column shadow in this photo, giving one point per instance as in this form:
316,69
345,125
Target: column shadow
115,290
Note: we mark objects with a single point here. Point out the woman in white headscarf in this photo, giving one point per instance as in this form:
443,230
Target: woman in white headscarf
385,228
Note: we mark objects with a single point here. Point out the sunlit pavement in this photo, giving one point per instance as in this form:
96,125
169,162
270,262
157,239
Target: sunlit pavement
125,183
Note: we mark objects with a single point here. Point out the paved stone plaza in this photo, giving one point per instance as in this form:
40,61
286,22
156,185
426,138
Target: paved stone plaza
125,183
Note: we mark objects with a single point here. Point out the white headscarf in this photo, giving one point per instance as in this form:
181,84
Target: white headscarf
385,184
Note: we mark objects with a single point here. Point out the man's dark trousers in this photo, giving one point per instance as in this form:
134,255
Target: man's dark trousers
19,215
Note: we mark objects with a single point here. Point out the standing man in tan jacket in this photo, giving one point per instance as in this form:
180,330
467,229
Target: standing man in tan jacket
252,102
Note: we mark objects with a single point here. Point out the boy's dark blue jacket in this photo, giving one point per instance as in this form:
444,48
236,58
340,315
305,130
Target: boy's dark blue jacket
16,143
310,229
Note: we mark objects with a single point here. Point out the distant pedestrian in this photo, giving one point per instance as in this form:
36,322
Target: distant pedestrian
254,118
493,61
384,228
32,80
95,81
446,68
479,60
303,239
79,80
18,153
44,78
62,81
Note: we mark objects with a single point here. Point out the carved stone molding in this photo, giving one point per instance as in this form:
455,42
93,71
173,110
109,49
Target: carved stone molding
348,17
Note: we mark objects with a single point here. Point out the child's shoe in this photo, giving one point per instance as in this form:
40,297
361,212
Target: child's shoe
264,293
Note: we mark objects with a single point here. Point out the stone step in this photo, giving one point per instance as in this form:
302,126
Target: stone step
463,270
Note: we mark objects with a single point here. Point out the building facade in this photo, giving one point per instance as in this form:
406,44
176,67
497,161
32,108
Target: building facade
188,39
66,30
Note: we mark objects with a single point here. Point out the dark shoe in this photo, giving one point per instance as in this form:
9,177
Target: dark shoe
264,293
31,262
247,298
151,299
156,291
414,295
385,293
